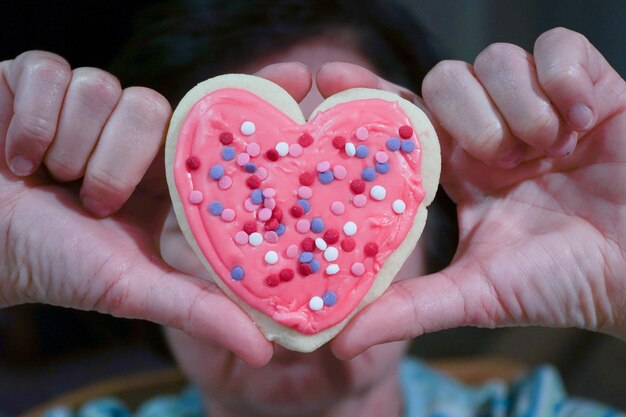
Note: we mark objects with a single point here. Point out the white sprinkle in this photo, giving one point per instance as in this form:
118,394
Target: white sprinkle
271,257
350,228
331,254
316,303
282,148
378,192
320,243
398,206
350,149
332,269
248,128
255,239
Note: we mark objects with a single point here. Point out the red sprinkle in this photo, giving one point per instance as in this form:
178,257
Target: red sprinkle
357,186
305,269
308,244
226,138
305,140
348,244
370,249
271,224
331,236
249,227
297,211
272,154
307,178
193,163
405,132
286,274
253,182
272,280
339,142
277,213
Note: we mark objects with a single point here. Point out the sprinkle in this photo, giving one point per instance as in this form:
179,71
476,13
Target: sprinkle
340,172
226,138
241,238
359,200
378,192
296,211
228,153
228,215
255,239
370,249
292,251
331,254
339,142
256,196
277,213
330,298
315,265
408,146
362,133
282,148
271,257
269,192
249,227
368,174
225,182
357,186
305,140
350,228
280,229
243,159
271,236
405,132
305,257
195,197
192,163
332,269
272,280
237,273
320,243
348,244
382,168
261,173
295,150
337,208
216,208
247,128
271,224
286,274
398,206
249,167
272,154
303,226
249,205
253,149
317,225
253,182
305,192
307,244
362,151
306,178
331,236
326,177
306,206
305,269
357,269
316,303
269,203
265,214
323,166
216,172
350,149
393,144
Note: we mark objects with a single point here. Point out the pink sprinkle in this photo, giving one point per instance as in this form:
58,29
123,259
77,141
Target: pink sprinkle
381,157
271,236
264,214
249,205
305,192
337,207
292,251
253,149
303,226
261,173
242,159
359,200
225,182
362,133
228,215
357,269
269,192
269,203
323,166
339,172
241,237
295,150
195,197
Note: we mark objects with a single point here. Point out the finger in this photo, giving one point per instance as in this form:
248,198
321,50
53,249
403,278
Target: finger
39,81
465,110
294,77
89,102
6,107
128,144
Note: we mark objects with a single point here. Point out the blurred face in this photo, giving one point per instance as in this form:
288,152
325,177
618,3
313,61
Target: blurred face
292,383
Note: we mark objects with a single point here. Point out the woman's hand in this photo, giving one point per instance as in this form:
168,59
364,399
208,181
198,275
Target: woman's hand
534,155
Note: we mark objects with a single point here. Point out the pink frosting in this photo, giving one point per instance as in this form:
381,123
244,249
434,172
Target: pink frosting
221,241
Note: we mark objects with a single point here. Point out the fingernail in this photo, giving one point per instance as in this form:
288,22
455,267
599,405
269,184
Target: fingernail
96,207
580,117
512,159
21,166
564,146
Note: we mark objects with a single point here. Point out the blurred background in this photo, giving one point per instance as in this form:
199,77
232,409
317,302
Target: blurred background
46,351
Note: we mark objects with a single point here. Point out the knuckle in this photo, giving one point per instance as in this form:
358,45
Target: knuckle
39,131
439,79
154,106
485,142
496,56
46,66
538,128
105,183
97,85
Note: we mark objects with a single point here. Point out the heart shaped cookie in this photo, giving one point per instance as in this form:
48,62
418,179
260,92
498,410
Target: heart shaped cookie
301,223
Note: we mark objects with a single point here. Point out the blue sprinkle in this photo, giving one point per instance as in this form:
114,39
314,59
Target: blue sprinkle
256,196
250,167
330,298
408,146
393,144
228,153
326,177
317,225
306,206
306,257
368,174
216,208
362,151
280,229
237,273
382,168
217,172
315,265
